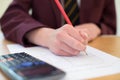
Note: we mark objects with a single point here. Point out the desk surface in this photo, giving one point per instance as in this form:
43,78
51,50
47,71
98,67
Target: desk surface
109,44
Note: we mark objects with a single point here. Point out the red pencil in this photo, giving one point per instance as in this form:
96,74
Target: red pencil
63,12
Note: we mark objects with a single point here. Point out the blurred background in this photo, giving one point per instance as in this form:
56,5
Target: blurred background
117,2
5,3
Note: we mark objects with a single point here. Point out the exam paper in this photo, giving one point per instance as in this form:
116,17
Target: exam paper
95,64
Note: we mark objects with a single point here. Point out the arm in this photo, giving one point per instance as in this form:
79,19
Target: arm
16,22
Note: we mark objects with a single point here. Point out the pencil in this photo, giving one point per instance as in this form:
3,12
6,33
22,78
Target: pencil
64,14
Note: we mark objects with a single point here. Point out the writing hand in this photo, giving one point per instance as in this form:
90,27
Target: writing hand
67,41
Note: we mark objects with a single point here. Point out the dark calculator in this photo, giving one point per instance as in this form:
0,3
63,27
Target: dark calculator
22,66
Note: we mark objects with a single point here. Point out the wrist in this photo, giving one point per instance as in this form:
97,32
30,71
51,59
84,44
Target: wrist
40,36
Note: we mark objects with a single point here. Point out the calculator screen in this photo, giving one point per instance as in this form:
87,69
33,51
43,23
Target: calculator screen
39,71
34,71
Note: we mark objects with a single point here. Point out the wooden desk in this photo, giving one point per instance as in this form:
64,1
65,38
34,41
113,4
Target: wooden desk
109,44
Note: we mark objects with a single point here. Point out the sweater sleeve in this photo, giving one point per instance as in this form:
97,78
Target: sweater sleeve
16,21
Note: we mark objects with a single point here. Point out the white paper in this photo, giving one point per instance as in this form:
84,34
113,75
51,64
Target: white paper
95,64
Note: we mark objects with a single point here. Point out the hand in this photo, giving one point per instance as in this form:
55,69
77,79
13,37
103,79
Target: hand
92,30
65,41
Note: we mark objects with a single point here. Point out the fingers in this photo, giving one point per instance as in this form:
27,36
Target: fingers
67,41
64,50
72,32
63,53
70,41
85,36
69,50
